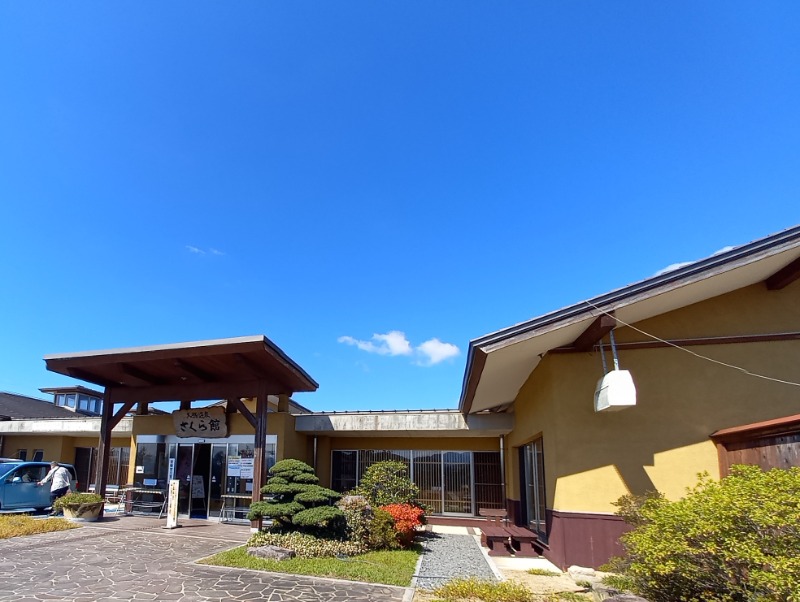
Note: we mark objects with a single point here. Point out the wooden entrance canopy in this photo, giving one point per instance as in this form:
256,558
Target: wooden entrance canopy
202,370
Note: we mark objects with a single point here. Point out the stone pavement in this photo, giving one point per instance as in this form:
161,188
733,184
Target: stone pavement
133,558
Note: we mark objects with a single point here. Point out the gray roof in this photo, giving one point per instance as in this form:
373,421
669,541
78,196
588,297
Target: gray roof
18,407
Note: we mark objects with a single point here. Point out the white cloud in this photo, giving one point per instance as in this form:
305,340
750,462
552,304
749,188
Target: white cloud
199,251
391,343
432,351
435,351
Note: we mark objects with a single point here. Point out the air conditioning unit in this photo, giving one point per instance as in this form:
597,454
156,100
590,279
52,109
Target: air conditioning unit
615,391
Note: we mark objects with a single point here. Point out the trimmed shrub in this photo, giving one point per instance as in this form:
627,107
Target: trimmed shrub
358,516
386,483
733,540
373,529
298,503
382,534
306,546
406,520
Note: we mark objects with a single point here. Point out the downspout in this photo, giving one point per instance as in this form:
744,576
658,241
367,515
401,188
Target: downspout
315,453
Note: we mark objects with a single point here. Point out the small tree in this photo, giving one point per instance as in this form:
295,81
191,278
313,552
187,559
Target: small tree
386,483
298,503
734,540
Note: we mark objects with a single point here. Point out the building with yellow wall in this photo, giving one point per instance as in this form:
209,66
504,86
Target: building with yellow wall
712,350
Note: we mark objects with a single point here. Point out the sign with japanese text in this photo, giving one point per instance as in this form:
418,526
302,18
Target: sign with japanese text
246,471
202,422
172,505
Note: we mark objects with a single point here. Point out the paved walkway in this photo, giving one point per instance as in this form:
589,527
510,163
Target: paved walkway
133,558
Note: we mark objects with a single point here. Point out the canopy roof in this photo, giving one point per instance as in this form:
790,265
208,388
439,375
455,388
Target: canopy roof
498,364
210,369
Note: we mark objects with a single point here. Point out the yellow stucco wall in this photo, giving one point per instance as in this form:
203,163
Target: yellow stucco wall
593,458
58,447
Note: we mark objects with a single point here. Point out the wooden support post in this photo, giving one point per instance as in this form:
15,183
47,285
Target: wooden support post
283,403
142,408
104,447
260,460
186,404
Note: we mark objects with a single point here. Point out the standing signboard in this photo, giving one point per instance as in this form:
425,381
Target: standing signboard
172,505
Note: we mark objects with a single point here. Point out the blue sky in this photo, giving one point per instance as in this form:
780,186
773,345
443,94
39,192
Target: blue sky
323,173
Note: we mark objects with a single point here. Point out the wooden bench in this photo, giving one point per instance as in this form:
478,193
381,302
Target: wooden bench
522,541
496,539
498,516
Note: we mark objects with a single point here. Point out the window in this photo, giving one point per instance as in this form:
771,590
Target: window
70,400
60,399
453,482
532,462
343,470
38,455
22,454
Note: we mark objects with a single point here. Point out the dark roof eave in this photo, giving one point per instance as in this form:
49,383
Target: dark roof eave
608,301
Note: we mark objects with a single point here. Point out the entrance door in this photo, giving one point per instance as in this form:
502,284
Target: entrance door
83,467
183,472
457,483
215,485
201,470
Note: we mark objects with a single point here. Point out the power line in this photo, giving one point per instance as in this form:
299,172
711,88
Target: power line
698,355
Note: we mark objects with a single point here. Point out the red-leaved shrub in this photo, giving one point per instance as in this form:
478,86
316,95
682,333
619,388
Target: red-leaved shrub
406,519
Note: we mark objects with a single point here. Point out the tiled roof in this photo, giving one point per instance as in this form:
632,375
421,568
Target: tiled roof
18,407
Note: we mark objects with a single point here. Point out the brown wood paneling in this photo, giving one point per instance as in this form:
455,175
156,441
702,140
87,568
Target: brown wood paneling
583,539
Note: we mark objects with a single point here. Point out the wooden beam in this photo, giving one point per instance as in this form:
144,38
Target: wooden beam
260,448
120,414
141,375
142,408
601,326
104,445
784,277
186,404
237,403
725,340
193,370
258,372
91,377
210,391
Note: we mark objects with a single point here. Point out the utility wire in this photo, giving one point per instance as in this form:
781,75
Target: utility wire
690,352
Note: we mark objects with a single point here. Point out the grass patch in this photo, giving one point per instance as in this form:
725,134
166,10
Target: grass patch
480,589
394,567
543,572
16,525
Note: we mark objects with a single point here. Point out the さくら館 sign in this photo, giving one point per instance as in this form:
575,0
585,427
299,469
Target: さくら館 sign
202,422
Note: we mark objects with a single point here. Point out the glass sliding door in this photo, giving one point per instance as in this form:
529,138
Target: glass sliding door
488,480
183,473
427,470
344,470
457,483
533,480
217,479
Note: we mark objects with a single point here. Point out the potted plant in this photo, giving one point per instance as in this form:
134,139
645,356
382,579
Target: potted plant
80,507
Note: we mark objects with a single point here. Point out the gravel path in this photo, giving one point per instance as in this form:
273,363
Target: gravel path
448,556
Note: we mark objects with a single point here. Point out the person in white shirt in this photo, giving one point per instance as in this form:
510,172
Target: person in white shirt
59,482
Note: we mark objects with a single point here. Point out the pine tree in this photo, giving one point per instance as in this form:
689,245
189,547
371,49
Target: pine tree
298,502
